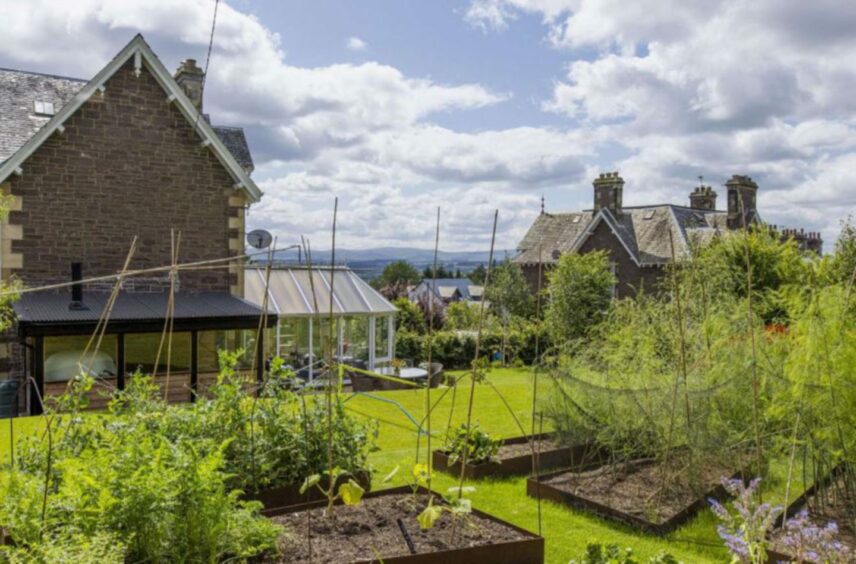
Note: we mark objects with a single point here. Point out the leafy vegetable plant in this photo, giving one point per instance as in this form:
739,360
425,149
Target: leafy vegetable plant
479,446
350,492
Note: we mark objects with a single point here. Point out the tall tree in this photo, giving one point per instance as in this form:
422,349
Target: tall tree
509,294
845,251
579,293
477,275
395,279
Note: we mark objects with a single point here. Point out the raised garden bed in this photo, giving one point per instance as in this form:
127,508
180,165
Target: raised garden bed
374,531
624,492
515,458
832,509
285,496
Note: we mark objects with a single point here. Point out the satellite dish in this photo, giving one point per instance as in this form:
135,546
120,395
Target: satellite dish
259,238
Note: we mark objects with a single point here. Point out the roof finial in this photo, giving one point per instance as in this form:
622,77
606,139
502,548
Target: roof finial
542,204
700,180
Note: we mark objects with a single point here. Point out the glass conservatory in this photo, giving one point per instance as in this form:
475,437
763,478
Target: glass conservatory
363,330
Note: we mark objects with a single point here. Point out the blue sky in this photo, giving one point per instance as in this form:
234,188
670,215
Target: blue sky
397,107
428,39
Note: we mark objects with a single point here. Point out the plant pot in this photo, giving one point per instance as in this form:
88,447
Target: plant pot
542,489
521,464
509,544
288,495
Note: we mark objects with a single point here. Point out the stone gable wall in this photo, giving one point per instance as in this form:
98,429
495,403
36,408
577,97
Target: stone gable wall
128,164
631,278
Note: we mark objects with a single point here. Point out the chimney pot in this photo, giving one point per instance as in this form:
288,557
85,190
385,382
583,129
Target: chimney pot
609,192
191,79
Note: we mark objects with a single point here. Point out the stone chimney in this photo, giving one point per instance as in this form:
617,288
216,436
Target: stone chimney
190,77
742,198
609,192
703,198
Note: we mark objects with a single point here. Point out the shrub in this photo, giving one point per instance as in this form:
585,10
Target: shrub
409,345
479,446
597,553
462,316
409,317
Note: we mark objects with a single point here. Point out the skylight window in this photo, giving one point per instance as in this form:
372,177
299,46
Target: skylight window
648,214
43,108
575,219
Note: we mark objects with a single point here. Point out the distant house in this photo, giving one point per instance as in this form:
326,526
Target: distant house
641,240
89,165
448,290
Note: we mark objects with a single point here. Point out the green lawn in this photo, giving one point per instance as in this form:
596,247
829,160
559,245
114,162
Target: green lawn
566,531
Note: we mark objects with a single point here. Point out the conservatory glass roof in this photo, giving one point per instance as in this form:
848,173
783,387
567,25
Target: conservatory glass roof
294,293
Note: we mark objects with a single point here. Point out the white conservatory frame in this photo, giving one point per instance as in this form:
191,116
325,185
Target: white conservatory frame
290,294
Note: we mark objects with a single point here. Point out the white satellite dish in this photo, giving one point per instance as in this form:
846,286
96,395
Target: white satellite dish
259,238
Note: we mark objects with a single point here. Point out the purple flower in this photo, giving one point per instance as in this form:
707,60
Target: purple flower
744,532
812,543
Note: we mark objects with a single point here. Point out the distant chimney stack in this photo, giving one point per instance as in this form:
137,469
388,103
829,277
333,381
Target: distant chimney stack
703,198
77,288
742,201
609,192
190,78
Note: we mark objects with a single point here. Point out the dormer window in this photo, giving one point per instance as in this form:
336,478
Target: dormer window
43,108
649,214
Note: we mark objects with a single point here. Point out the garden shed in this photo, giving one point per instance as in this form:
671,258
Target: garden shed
364,321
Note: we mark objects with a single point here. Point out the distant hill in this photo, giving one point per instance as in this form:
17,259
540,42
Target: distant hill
368,263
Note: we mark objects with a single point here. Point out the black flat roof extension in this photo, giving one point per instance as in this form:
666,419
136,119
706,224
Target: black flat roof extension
42,313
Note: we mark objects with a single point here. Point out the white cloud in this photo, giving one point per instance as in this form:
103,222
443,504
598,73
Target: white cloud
363,132
714,88
356,44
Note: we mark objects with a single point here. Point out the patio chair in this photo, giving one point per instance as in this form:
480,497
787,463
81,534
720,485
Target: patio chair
435,373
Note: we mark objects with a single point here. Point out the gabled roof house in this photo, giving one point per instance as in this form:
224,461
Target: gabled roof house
88,166
641,240
447,290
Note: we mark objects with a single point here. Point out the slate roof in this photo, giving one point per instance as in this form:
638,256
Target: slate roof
551,233
236,142
644,231
18,121
446,288
18,91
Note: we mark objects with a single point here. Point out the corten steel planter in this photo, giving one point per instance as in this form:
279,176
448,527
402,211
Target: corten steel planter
564,457
796,506
536,488
526,551
285,496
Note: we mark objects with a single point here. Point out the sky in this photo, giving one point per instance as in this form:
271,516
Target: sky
397,107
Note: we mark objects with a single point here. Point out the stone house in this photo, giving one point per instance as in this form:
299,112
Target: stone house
641,240
87,166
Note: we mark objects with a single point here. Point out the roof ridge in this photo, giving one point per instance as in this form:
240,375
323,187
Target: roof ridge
45,74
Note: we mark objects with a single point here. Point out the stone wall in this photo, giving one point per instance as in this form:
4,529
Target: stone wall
127,164
631,278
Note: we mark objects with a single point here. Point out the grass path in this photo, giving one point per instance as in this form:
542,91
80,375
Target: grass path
566,531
